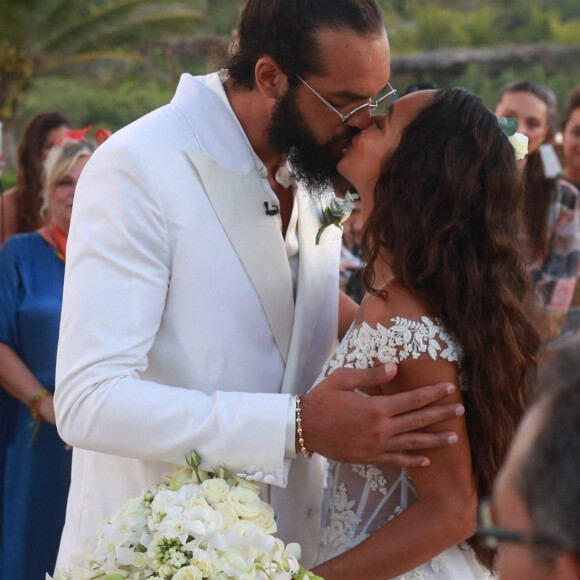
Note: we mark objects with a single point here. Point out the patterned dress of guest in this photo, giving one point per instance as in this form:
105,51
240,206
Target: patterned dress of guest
556,273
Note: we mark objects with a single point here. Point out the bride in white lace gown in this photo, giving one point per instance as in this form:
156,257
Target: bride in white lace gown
449,301
362,498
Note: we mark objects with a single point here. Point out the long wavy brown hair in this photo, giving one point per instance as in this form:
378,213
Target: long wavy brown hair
29,178
444,214
536,206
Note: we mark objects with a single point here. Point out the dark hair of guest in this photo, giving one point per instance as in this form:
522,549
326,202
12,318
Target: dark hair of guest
535,205
286,31
548,479
542,92
537,199
444,214
30,169
572,104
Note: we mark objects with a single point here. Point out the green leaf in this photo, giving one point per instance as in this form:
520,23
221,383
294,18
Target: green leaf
306,573
509,125
319,233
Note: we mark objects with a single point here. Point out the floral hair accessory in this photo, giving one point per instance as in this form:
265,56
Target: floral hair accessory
101,135
337,212
519,141
75,134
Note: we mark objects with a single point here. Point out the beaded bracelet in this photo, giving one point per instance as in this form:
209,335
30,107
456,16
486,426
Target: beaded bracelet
303,450
35,402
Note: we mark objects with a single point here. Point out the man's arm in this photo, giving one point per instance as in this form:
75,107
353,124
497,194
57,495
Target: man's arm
347,308
119,276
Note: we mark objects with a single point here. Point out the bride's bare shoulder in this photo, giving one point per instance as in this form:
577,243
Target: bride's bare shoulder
419,362
397,302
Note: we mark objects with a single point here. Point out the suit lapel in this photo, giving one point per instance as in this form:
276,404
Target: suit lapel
312,280
257,239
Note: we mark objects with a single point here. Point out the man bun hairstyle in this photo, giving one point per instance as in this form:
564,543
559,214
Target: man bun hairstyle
285,31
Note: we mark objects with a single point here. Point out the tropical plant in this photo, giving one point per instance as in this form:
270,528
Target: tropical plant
38,37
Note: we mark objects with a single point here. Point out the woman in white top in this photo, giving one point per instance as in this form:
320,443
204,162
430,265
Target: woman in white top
448,300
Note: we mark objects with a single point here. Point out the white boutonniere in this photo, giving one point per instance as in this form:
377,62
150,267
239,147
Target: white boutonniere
519,141
337,212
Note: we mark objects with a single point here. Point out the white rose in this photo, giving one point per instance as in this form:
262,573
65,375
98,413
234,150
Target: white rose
141,560
215,490
247,484
245,502
204,561
265,519
166,570
180,477
188,573
189,494
229,514
197,502
520,144
163,500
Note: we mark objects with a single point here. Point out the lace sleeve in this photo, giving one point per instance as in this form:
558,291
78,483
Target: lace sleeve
363,346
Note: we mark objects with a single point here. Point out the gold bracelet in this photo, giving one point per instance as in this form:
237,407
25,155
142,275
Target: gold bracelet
304,451
35,402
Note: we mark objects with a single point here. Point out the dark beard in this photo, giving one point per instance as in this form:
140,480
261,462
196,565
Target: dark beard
314,164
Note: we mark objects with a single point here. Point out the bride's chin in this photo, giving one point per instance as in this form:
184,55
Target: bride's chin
342,169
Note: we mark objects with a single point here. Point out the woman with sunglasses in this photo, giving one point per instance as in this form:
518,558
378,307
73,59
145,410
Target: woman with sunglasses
448,300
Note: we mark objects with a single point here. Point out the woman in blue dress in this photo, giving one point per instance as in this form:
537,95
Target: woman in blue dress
36,474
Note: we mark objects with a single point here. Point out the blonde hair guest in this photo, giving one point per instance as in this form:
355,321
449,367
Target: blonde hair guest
62,169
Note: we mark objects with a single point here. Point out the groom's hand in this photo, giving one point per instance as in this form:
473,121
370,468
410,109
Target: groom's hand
342,424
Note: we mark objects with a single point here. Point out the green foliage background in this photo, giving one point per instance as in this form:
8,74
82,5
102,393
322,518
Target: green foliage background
113,95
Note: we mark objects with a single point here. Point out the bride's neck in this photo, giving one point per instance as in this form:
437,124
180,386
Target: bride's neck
383,272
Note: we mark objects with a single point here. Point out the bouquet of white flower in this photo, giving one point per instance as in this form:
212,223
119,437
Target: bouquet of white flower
198,525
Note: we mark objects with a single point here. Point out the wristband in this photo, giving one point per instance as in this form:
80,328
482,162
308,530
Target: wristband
307,454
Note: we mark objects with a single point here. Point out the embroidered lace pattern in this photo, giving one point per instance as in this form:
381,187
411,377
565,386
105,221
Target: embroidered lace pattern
364,346
361,498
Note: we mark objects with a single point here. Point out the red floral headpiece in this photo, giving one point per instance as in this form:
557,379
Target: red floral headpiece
75,135
101,135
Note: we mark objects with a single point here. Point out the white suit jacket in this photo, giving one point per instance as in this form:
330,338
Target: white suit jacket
179,326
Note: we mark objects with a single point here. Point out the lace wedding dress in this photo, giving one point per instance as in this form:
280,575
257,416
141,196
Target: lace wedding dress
361,498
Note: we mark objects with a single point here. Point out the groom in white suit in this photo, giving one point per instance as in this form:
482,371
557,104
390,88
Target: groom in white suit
196,303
